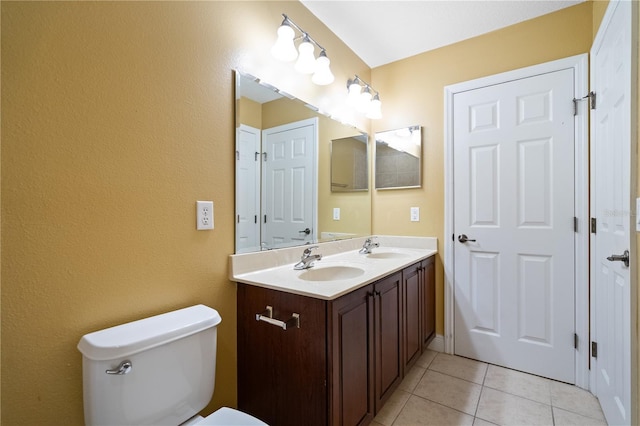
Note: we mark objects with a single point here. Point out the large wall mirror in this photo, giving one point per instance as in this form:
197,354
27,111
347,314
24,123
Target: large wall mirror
284,191
398,158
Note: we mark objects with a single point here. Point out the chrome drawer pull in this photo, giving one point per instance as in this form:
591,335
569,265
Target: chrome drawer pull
267,316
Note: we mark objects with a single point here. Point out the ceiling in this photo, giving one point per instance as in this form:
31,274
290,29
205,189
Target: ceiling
384,31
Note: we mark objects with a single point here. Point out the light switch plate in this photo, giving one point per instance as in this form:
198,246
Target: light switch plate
204,215
415,214
336,213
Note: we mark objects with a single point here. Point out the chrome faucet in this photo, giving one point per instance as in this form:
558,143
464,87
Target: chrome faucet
368,245
307,259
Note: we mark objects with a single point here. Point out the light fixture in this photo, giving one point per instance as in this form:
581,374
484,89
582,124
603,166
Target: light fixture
361,98
285,50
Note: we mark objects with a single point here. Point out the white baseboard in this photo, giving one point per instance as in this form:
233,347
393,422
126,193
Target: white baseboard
437,344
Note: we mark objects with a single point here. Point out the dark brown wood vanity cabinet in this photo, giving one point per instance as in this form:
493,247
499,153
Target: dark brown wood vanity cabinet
418,305
345,360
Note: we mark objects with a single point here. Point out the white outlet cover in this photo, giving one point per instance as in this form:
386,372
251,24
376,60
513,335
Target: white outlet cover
204,215
336,213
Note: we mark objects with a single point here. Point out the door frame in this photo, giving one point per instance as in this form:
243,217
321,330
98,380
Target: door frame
579,65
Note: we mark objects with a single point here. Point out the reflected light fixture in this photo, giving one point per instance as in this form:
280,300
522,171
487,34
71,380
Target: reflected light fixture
284,49
360,97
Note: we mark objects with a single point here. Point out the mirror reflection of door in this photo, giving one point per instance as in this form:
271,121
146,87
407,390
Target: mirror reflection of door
248,148
289,196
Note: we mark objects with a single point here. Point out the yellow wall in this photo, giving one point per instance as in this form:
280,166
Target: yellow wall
413,91
116,118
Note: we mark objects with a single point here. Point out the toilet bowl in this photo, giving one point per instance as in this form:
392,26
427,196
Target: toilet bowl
157,370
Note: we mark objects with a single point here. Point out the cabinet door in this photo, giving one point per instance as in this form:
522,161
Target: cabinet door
351,363
429,301
412,286
282,373
388,336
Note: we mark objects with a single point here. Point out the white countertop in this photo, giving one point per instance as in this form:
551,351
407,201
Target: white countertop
274,268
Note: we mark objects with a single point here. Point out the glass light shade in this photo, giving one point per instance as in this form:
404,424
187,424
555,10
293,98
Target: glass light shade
306,63
323,74
354,93
284,49
364,100
375,108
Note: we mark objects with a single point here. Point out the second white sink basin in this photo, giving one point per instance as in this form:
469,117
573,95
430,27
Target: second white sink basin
330,273
387,255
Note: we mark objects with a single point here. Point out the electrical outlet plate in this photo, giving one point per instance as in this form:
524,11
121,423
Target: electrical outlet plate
336,213
415,214
204,215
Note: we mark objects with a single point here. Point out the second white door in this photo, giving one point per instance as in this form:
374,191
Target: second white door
514,204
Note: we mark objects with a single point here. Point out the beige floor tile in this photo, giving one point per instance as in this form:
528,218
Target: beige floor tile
506,409
418,411
412,378
567,418
462,368
576,400
426,358
450,391
374,423
518,383
480,422
392,408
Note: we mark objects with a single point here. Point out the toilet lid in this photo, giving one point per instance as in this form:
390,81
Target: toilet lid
230,417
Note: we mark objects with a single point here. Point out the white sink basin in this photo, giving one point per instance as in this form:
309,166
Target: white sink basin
330,273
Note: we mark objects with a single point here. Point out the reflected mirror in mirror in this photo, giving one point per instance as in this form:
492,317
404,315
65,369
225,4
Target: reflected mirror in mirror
278,202
398,158
349,164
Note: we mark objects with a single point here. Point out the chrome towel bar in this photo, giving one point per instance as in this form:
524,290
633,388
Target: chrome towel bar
267,316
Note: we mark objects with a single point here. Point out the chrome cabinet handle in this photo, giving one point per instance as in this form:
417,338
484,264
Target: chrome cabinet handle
463,238
124,368
624,258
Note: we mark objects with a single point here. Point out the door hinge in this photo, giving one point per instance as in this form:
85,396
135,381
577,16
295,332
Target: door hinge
592,102
575,340
256,155
238,218
255,219
453,237
264,155
575,224
594,349
237,155
593,225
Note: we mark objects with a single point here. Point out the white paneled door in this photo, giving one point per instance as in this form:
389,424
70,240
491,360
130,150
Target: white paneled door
247,189
289,176
514,224
611,197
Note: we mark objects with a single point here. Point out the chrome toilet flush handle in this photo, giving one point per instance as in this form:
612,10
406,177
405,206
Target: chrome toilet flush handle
124,368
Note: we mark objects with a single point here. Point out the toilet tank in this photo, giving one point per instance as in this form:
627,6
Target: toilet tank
172,373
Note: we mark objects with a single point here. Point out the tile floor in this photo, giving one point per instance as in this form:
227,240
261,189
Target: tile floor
447,390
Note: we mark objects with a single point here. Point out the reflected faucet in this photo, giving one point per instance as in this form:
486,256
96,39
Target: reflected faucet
368,245
307,259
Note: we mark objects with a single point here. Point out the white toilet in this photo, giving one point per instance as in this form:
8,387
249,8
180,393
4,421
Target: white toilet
155,371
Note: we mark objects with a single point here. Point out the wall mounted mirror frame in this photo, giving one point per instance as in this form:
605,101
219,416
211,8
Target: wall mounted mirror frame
262,107
398,158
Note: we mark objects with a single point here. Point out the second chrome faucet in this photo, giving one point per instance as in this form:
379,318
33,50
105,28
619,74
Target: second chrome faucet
307,259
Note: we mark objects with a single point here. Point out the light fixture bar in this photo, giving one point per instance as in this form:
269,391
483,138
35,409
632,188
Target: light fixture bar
360,97
304,33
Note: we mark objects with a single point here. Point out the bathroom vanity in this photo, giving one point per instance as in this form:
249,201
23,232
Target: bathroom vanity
331,346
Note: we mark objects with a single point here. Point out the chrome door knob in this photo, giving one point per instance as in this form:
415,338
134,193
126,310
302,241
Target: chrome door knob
624,258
